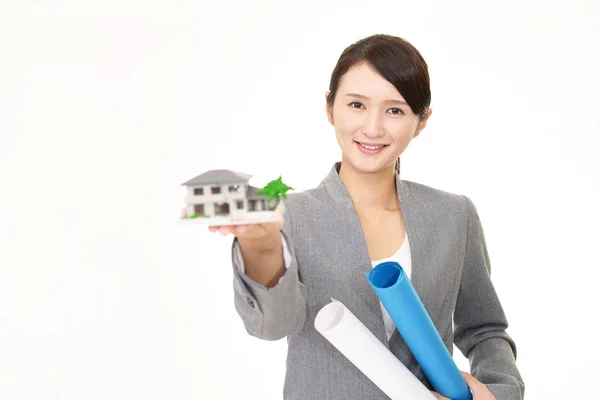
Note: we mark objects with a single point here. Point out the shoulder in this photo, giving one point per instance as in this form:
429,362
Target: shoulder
307,199
318,202
306,212
434,198
308,209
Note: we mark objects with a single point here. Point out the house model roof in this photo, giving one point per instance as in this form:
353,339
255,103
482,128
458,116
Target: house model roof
251,193
218,177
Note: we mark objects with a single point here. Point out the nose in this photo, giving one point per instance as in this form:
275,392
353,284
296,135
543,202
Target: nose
373,125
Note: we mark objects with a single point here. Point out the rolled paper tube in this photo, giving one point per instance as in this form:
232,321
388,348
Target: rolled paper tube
349,336
401,301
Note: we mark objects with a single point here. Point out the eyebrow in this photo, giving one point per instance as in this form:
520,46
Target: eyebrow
360,96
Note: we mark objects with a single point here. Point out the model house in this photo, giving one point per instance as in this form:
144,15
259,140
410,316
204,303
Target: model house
223,193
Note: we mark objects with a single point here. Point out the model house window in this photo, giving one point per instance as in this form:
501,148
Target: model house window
235,188
240,205
215,190
198,191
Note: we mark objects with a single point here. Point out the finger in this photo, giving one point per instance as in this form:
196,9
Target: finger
241,228
213,228
225,230
473,383
439,396
469,378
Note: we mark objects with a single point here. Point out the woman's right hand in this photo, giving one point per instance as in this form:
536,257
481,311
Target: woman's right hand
259,237
262,250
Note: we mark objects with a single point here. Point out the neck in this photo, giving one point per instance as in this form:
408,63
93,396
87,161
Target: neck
371,190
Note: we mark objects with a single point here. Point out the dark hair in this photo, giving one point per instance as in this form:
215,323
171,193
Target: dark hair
397,61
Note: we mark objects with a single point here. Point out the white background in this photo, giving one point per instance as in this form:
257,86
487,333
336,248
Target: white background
106,107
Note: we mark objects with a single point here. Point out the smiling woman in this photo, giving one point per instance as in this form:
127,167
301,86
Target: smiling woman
363,214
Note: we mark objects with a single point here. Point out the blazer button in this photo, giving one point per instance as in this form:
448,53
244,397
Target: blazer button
250,302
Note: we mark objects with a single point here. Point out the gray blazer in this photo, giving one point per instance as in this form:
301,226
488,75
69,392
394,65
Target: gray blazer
450,272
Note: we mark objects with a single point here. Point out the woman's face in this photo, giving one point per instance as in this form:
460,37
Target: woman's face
373,124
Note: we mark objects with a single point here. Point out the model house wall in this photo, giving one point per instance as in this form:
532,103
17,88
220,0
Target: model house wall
217,199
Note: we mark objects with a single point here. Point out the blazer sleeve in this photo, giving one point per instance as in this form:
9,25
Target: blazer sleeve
276,312
480,322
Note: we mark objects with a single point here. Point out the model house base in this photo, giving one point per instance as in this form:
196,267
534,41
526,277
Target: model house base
256,217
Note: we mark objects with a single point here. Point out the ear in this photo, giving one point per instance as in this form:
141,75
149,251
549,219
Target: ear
328,108
423,123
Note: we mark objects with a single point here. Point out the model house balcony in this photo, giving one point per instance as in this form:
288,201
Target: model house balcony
215,194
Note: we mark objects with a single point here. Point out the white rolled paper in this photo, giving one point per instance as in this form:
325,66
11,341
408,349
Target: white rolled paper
347,334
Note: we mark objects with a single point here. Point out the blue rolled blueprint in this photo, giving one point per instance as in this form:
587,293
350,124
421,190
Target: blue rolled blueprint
398,296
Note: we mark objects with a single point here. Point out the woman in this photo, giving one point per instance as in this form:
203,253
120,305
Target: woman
361,214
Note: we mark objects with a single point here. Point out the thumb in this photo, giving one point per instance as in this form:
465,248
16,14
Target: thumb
468,377
439,396
471,382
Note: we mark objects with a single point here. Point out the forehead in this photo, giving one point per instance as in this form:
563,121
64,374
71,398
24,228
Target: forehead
364,80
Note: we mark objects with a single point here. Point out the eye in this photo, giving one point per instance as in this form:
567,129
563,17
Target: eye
355,104
396,111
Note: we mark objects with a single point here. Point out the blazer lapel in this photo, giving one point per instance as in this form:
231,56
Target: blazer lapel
339,193
415,232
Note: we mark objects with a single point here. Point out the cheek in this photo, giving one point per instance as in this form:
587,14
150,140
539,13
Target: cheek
346,123
401,131
346,129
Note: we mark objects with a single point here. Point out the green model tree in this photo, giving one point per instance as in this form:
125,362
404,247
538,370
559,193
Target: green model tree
275,190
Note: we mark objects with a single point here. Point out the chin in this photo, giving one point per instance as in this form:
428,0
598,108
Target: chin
364,163
368,167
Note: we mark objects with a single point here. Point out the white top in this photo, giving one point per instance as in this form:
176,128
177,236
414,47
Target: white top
402,257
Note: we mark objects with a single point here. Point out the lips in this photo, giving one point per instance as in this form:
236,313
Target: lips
370,148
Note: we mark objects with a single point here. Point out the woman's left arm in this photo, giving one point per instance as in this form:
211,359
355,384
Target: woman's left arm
480,321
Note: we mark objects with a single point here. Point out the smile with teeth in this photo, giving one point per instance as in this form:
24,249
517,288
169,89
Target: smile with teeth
371,148
366,146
